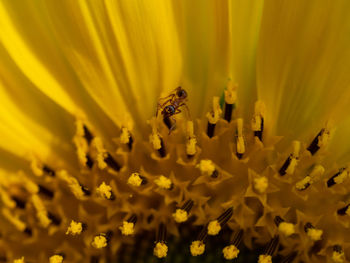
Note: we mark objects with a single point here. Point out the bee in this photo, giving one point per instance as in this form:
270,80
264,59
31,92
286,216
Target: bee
170,106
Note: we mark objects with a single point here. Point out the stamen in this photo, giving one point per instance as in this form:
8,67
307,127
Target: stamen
320,140
258,119
261,183
312,232
207,167
87,134
213,117
191,140
265,259
19,203
104,158
290,257
101,240
112,162
75,228
225,216
214,228
36,167
188,206
105,191
289,165
56,259
19,260
156,140
339,177
197,248
161,233
73,184
180,216
126,137
237,237
160,250
14,220
314,176
136,180
6,199
338,255
41,214
271,246
230,100
230,252
163,182
127,228
240,146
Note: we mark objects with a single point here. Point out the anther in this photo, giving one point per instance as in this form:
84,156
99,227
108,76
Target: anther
339,177
290,257
112,162
14,220
320,140
126,138
7,199
230,100
237,237
19,203
240,146
312,232
77,189
41,214
338,255
258,119
89,162
315,175
156,140
213,117
45,191
48,171
344,211
87,134
191,140
161,150
289,165
225,216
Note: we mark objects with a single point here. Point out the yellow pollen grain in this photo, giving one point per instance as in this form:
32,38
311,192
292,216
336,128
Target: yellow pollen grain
206,167
56,259
21,226
37,168
160,250
286,228
315,234
75,228
79,125
215,114
214,228
101,153
259,114
338,257
197,248
260,184
41,211
104,190
99,241
191,146
19,260
341,177
72,183
231,93
265,259
180,216
163,182
127,228
155,138
125,135
300,185
135,179
230,252
82,147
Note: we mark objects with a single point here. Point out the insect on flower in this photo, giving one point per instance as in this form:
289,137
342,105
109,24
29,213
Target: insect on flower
170,106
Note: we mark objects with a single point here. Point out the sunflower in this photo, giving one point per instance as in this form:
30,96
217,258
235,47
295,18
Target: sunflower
182,131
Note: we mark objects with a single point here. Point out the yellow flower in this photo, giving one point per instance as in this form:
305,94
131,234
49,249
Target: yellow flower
132,130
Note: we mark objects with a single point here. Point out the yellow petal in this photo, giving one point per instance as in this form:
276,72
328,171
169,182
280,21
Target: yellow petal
303,62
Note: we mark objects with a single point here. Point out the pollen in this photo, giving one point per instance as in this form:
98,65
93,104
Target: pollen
180,216
338,257
104,190
261,184
56,259
265,259
13,219
163,182
6,199
214,228
72,183
101,153
240,140
301,185
99,241
214,115
259,115
20,260
75,228
341,177
315,234
231,93
155,138
197,248
206,167
160,250
127,228
36,167
125,135
135,179
230,252
286,228
41,211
